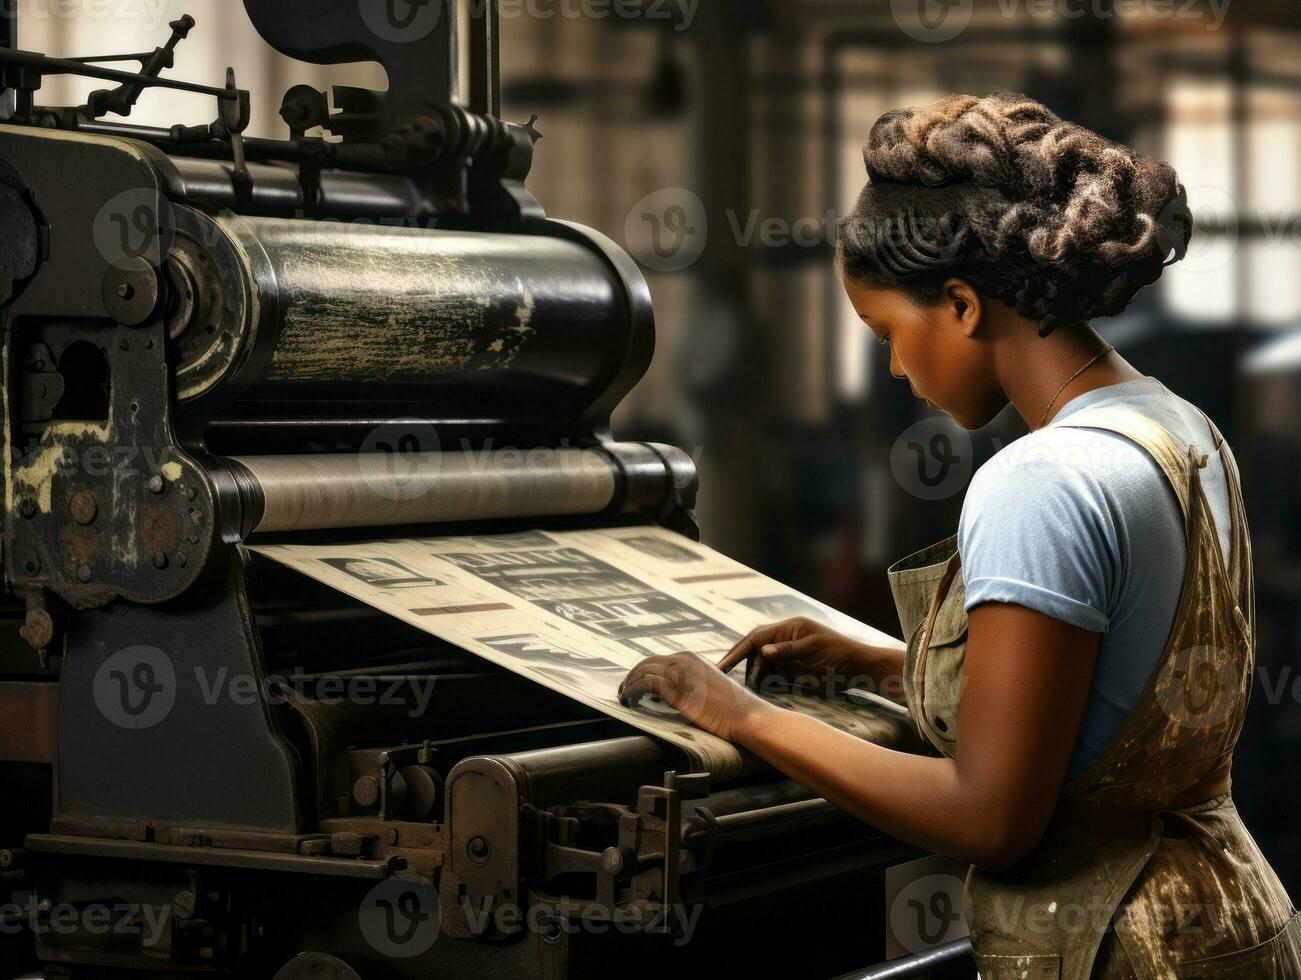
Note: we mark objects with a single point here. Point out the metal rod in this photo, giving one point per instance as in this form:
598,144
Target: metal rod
62,66
485,60
913,966
227,857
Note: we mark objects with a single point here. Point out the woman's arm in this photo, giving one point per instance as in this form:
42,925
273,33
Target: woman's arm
1027,679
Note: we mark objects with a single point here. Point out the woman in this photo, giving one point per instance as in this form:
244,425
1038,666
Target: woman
1088,630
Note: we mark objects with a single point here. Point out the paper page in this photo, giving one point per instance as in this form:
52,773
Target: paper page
576,610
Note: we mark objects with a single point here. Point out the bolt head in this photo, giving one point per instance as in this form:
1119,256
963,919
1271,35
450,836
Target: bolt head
160,560
83,507
478,849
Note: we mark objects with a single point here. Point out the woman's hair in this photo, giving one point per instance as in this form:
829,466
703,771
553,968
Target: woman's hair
1047,216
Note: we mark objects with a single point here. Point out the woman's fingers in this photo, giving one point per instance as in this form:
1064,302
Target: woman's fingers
635,688
756,640
746,648
654,670
786,650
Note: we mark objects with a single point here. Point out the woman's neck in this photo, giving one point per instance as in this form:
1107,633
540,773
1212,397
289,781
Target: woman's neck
1041,375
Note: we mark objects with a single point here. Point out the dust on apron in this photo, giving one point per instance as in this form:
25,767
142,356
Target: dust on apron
1124,880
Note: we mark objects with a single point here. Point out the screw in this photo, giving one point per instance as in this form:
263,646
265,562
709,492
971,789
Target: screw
83,573
156,484
478,849
160,560
184,904
125,290
124,344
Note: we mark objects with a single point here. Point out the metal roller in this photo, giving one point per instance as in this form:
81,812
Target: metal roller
301,493
337,312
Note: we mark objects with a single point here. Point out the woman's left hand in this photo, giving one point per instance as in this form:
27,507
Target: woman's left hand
702,693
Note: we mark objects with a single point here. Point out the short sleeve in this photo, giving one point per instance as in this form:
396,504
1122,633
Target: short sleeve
1037,531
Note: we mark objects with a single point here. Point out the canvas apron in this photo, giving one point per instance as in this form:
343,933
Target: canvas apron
1127,880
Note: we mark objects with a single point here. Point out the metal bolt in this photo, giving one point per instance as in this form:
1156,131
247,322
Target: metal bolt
32,565
27,508
182,558
191,493
366,791
83,573
125,290
616,860
160,560
156,484
553,930
124,344
478,850
83,507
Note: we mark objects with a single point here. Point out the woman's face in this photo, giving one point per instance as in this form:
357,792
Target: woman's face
939,348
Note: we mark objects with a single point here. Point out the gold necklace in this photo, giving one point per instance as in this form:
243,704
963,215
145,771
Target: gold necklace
1103,353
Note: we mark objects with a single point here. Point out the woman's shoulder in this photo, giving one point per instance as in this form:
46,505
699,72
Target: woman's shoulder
1062,458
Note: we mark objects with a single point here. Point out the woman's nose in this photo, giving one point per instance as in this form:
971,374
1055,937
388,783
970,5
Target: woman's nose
896,369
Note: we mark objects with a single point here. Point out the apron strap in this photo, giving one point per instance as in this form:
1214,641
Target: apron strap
1239,562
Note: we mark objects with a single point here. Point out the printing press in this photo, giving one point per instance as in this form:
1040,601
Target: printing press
208,340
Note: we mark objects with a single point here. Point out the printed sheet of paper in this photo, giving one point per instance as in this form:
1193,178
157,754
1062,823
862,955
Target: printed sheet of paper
576,610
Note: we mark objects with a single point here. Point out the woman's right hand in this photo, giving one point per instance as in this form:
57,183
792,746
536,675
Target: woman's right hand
807,652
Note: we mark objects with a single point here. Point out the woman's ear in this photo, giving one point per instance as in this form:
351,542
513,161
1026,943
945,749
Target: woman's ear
965,304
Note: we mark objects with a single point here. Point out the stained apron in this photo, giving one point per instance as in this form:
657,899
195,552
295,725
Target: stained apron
1126,881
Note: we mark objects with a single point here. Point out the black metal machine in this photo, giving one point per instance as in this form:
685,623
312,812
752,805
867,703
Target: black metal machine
202,335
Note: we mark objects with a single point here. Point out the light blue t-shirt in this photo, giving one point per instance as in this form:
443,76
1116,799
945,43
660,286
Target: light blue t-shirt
1082,525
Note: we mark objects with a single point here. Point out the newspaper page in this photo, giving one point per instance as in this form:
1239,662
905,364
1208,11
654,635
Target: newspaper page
576,610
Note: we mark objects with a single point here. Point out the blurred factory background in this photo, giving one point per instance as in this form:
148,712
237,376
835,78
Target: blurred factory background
719,139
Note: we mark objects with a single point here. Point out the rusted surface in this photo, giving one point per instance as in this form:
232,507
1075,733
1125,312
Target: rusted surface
29,722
